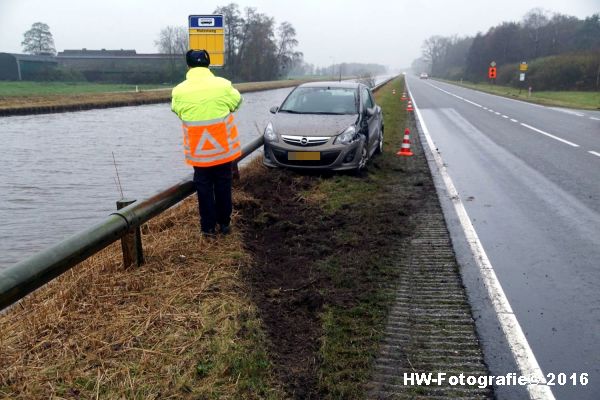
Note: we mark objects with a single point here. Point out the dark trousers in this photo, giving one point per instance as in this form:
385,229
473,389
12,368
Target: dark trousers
213,185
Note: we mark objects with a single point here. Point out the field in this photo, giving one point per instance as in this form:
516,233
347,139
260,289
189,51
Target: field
21,98
571,99
27,89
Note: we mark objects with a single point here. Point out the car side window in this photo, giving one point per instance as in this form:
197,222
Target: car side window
367,101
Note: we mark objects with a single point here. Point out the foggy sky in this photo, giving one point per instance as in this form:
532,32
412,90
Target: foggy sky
388,32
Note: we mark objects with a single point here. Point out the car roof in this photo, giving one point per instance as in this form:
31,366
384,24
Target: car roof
333,84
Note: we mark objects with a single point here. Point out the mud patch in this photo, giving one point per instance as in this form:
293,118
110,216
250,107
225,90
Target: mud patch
315,256
285,236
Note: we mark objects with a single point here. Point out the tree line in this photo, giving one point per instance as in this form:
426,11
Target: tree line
563,52
256,48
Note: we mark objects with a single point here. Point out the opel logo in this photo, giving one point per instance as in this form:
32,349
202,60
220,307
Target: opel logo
304,141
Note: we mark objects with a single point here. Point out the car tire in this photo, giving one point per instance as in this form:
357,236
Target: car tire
364,159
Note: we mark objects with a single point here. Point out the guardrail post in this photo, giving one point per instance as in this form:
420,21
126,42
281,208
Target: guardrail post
131,242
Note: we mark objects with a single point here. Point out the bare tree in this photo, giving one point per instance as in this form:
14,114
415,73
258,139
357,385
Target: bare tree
258,48
172,40
533,22
38,40
434,50
233,32
287,58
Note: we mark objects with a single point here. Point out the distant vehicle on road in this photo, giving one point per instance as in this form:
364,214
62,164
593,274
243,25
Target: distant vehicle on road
424,75
325,125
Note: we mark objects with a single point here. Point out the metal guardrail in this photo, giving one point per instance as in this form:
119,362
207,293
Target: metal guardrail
30,274
379,85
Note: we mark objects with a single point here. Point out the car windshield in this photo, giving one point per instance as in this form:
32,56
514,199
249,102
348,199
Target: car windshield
321,100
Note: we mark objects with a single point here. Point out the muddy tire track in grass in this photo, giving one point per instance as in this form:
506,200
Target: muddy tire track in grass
308,260
285,236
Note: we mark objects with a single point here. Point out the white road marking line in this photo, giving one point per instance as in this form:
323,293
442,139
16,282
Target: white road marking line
595,119
515,337
525,125
550,135
594,153
568,111
472,102
457,96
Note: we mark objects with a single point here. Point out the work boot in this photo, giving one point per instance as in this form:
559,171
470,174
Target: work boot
209,233
224,229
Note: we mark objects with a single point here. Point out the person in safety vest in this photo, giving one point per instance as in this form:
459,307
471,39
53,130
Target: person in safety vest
204,104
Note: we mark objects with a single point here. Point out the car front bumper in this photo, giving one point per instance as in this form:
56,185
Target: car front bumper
331,157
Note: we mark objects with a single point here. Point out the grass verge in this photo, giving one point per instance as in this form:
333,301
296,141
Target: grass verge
179,327
570,99
371,247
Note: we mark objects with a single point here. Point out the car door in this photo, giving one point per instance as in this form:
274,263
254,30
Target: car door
371,120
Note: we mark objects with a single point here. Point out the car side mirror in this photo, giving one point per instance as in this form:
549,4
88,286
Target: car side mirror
274,110
370,111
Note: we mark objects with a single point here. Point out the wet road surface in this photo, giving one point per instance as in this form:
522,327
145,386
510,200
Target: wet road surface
528,177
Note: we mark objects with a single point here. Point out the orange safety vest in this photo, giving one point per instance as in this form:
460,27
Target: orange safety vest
212,142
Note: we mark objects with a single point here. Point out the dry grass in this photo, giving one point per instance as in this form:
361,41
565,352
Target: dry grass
181,326
50,103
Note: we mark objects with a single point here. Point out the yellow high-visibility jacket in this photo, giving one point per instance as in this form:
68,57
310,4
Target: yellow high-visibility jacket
204,104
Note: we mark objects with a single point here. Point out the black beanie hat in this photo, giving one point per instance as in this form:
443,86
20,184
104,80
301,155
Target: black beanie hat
197,58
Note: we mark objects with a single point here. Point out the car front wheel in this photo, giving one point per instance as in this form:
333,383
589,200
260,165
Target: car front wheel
362,162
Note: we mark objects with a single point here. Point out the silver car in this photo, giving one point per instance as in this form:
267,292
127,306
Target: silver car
325,125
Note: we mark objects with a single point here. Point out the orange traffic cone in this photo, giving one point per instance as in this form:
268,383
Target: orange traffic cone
404,98
405,149
409,107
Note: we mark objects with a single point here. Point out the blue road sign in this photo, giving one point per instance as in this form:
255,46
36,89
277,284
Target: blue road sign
206,21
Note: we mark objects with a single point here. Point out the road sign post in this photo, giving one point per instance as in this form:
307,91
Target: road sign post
207,32
521,80
523,67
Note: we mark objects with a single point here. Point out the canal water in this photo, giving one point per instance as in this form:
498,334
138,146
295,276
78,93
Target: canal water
57,174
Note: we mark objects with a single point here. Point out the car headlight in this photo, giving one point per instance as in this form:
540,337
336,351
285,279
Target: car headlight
347,136
270,135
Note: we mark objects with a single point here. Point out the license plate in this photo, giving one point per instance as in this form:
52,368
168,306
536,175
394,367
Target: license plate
304,156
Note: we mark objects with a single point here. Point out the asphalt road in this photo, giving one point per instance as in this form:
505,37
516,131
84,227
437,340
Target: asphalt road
529,178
